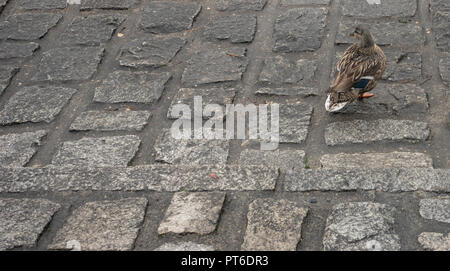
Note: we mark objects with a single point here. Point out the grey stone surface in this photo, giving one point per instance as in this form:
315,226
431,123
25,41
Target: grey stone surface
441,23
273,225
361,226
209,65
2,4
111,121
190,151
386,179
13,50
234,28
184,246
278,70
91,29
304,2
435,208
294,122
107,4
361,131
289,91
164,178
231,5
444,69
154,52
6,73
168,17
219,96
43,4
100,152
377,160
402,66
103,225
285,159
300,29
35,104
17,149
398,8
196,212
435,241
23,220
28,26
132,87
69,63
385,33
436,5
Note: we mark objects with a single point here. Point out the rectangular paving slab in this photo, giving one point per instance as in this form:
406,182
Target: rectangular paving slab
28,26
15,50
435,241
17,149
107,4
435,208
281,70
284,159
232,5
234,28
441,23
294,122
386,8
42,4
111,121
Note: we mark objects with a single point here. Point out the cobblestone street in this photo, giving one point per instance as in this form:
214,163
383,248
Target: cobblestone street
86,99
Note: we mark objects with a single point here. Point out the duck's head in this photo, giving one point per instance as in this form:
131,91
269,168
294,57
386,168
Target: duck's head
332,105
362,36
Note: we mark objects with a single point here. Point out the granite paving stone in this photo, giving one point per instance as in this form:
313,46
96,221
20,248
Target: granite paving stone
68,63
168,17
43,4
436,5
377,160
107,4
440,25
361,131
361,226
111,121
100,152
273,225
196,212
28,26
444,69
288,91
15,50
435,208
103,225
386,8
280,70
35,104
17,149
300,29
294,122
131,87
155,52
210,65
91,29
232,5
184,246
304,2
190,151
6,73
234,28
285,159
402,66
435,241
22,221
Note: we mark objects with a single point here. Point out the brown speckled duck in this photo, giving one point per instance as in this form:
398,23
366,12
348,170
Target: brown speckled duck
357,71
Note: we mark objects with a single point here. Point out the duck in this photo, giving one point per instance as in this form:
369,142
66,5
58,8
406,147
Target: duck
357,71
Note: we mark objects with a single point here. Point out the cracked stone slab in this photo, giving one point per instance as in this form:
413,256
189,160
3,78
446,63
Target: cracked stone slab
43,4
300,29
384,179
285,160
15,50
192,213
79,63
361,226
103,225
440,25
232,5
23,220
209,65
435,241
386,8
402,66
190,151
28,26
107,4
111,121
280,70
6,73
435,208
162,178
131,87
184,246
304,2
234,28
386,33
219,96
273,225
361,131
377,160
35,104
91,30
289,91
168,17
16,150
154,52
444,69
100,152
294,122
